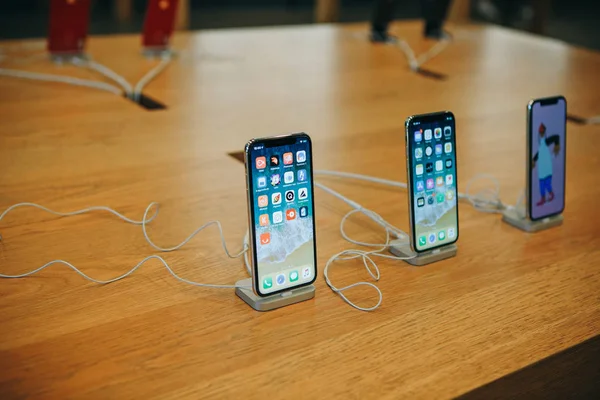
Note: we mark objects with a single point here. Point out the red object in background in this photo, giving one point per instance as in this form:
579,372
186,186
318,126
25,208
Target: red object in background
69,22
159,23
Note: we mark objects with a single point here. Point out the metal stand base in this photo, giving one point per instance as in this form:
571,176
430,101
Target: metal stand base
272,302
401,248
518,220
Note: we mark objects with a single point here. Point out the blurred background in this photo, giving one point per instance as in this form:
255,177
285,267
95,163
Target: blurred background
574,21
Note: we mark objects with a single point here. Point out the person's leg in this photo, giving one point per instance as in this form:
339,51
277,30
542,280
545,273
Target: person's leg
549,188
542,192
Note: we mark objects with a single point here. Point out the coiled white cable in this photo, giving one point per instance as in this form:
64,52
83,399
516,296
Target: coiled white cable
60,78
190,237
142,222
366,256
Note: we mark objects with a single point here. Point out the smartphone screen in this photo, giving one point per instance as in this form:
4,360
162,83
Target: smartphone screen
159,23
546,161
68,28
281,208
431,162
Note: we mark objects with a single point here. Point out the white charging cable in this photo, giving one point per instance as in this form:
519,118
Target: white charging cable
594,120
143,223
366,256
14,73
415,62
485,200
130,92
151,75
107,72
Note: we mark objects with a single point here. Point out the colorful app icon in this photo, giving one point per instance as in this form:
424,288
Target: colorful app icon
420,202
263,200
265,238
280,279
261,162
427,134
301,175
437,133
288,158
440,197
303,193
419,169
439,165
422,240
429,167
450,233
288,177
432,238
290,196
441,235
277,217
439,181
449,163
294,276
418,136
449,179
428,151
263,220
274,161
420,186
290,214
438,149
261,182
267,283
306,272
275,179
447,147
301,156
430,200
418,153
303,212
429,183
450,195
447,131
275,198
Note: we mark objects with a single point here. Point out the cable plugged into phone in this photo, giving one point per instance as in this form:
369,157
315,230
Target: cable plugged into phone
143,222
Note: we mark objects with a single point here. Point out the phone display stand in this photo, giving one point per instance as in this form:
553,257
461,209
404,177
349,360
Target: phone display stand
278,300
67,58
518,219
401,248
158,52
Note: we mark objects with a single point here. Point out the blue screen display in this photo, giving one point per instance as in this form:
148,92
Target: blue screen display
282,211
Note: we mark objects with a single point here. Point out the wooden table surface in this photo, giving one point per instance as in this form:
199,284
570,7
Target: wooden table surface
507,300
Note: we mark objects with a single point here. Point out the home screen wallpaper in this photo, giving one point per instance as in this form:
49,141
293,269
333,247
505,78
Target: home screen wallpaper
547,144
433,163
283,214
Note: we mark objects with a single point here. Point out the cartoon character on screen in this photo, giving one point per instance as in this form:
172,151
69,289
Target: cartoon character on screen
543,160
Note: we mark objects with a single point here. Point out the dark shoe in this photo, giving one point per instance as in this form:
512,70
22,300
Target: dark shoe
541,202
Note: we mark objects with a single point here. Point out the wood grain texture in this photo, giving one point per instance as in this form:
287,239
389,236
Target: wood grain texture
507,300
